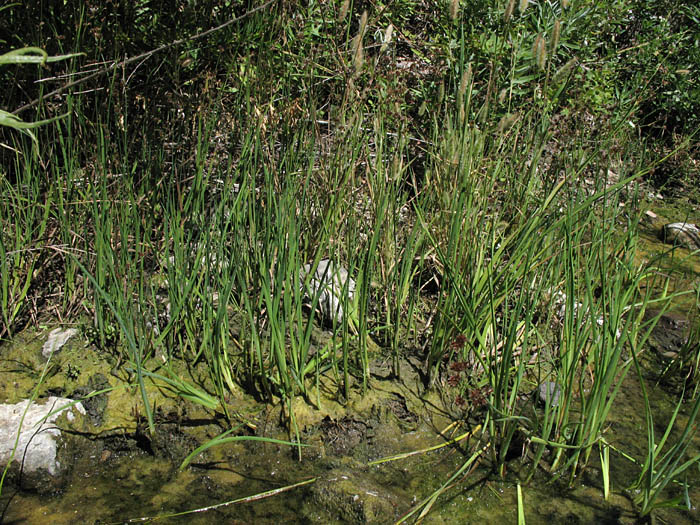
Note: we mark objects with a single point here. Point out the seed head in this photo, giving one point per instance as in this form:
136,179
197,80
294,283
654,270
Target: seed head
465,81
539,51
564,70
358,58
343,11
509,10
556,32
507,122
454,9
386,39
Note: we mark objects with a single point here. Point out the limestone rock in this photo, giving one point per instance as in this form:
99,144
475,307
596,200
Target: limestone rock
329,281
57,338
39,438
682,234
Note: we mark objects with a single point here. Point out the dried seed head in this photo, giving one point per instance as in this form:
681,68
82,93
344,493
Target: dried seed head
386,39
363,23
564,70
523,5
507,122
465,81
454,9
565,3
502,95
509,10
358,58
539,51
556,32
343,11
397,165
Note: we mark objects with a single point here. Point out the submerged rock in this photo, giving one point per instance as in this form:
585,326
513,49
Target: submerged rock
35,457
670,336
352,495
329,281
682,234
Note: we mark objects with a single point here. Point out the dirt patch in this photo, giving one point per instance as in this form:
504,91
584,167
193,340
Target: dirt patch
341,436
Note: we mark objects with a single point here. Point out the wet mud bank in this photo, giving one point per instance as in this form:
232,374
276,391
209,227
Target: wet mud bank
367,460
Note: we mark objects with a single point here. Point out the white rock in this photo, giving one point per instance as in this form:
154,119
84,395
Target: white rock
57,338
559,300
328,281
37,442
683,234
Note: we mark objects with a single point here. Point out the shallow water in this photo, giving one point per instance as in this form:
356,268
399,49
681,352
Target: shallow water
132,486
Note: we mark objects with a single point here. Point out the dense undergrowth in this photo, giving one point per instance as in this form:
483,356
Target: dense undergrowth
478,167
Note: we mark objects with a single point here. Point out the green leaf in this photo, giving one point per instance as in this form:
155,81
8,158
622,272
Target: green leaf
186,390
220,440
13,121
32,55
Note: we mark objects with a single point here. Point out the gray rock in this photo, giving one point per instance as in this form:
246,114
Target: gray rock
549,393
57,338
329,281
39,437
682,234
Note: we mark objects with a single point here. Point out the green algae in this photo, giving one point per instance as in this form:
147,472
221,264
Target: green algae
125,474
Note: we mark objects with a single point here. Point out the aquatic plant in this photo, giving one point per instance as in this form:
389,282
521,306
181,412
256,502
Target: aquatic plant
666,461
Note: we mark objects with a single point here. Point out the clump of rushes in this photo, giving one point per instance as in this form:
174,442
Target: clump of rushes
455,228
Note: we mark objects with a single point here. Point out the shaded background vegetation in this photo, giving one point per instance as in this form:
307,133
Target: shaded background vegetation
645,51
